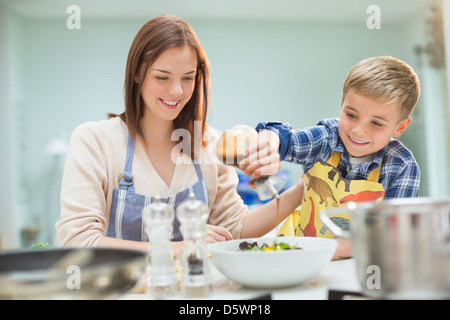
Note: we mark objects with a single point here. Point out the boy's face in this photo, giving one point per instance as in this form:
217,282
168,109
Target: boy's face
366,126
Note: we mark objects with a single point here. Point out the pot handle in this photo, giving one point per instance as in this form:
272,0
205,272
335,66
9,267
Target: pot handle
338,231
446,237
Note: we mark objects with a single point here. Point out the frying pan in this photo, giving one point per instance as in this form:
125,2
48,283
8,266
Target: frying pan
69,273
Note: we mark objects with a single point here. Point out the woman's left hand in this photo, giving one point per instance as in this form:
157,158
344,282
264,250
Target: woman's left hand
217,234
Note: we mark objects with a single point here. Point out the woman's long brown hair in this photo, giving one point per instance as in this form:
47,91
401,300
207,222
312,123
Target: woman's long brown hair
156,36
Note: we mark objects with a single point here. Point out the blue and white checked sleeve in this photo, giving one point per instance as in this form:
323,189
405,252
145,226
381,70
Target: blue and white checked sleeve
400,172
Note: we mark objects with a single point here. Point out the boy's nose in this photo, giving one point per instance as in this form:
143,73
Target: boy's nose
359,129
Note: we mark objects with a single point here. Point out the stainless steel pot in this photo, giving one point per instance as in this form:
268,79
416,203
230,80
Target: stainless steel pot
401,246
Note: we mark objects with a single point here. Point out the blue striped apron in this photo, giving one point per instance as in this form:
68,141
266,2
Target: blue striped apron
125,220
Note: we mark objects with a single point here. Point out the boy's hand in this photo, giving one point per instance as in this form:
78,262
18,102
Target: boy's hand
263,158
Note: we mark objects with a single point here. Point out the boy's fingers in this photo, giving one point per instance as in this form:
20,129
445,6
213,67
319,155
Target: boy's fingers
266,166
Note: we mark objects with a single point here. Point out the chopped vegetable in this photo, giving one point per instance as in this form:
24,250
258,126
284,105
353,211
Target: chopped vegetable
247,246
39,245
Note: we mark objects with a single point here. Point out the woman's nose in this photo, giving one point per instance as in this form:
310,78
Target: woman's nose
175,89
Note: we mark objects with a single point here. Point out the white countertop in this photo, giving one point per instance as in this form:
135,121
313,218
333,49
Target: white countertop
337,275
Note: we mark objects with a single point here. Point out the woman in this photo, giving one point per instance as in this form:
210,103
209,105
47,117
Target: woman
114,167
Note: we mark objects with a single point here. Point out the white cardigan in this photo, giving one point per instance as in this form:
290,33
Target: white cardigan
95,159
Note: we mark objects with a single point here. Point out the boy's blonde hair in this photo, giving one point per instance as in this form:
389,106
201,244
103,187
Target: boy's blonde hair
386,80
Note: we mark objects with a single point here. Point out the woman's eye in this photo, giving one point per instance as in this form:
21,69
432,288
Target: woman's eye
188,78
162,78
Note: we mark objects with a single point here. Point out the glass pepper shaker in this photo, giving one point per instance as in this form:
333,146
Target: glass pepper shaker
161,276
196,278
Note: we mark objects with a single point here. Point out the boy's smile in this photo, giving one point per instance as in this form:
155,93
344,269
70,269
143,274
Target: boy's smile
366,126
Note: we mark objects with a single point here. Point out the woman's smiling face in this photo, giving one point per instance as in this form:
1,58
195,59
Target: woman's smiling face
366,126
169,83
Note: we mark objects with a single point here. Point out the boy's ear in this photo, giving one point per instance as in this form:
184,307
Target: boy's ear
401,127
342,99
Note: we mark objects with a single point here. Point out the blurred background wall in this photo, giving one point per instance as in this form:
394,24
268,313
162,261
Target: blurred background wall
271,60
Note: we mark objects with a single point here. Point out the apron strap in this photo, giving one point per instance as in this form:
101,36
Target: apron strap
129,160
127,175
335,158
198,170
374,175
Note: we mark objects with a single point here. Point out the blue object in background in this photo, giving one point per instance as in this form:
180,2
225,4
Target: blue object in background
249,195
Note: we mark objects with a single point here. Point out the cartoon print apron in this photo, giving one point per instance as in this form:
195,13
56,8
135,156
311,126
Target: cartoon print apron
324,188
125,221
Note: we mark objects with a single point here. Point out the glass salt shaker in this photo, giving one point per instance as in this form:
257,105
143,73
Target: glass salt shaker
158,218
196,278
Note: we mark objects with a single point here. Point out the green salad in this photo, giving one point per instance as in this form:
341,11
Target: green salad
40,245
276,246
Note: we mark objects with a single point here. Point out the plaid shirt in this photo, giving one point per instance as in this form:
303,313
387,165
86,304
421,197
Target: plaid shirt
399,175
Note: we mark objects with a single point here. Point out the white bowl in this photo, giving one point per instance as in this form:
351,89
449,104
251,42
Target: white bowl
272,269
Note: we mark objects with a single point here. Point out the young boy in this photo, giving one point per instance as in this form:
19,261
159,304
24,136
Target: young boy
353,158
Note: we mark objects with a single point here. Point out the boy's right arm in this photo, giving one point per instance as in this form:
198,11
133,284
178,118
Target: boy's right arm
304,146
283,131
